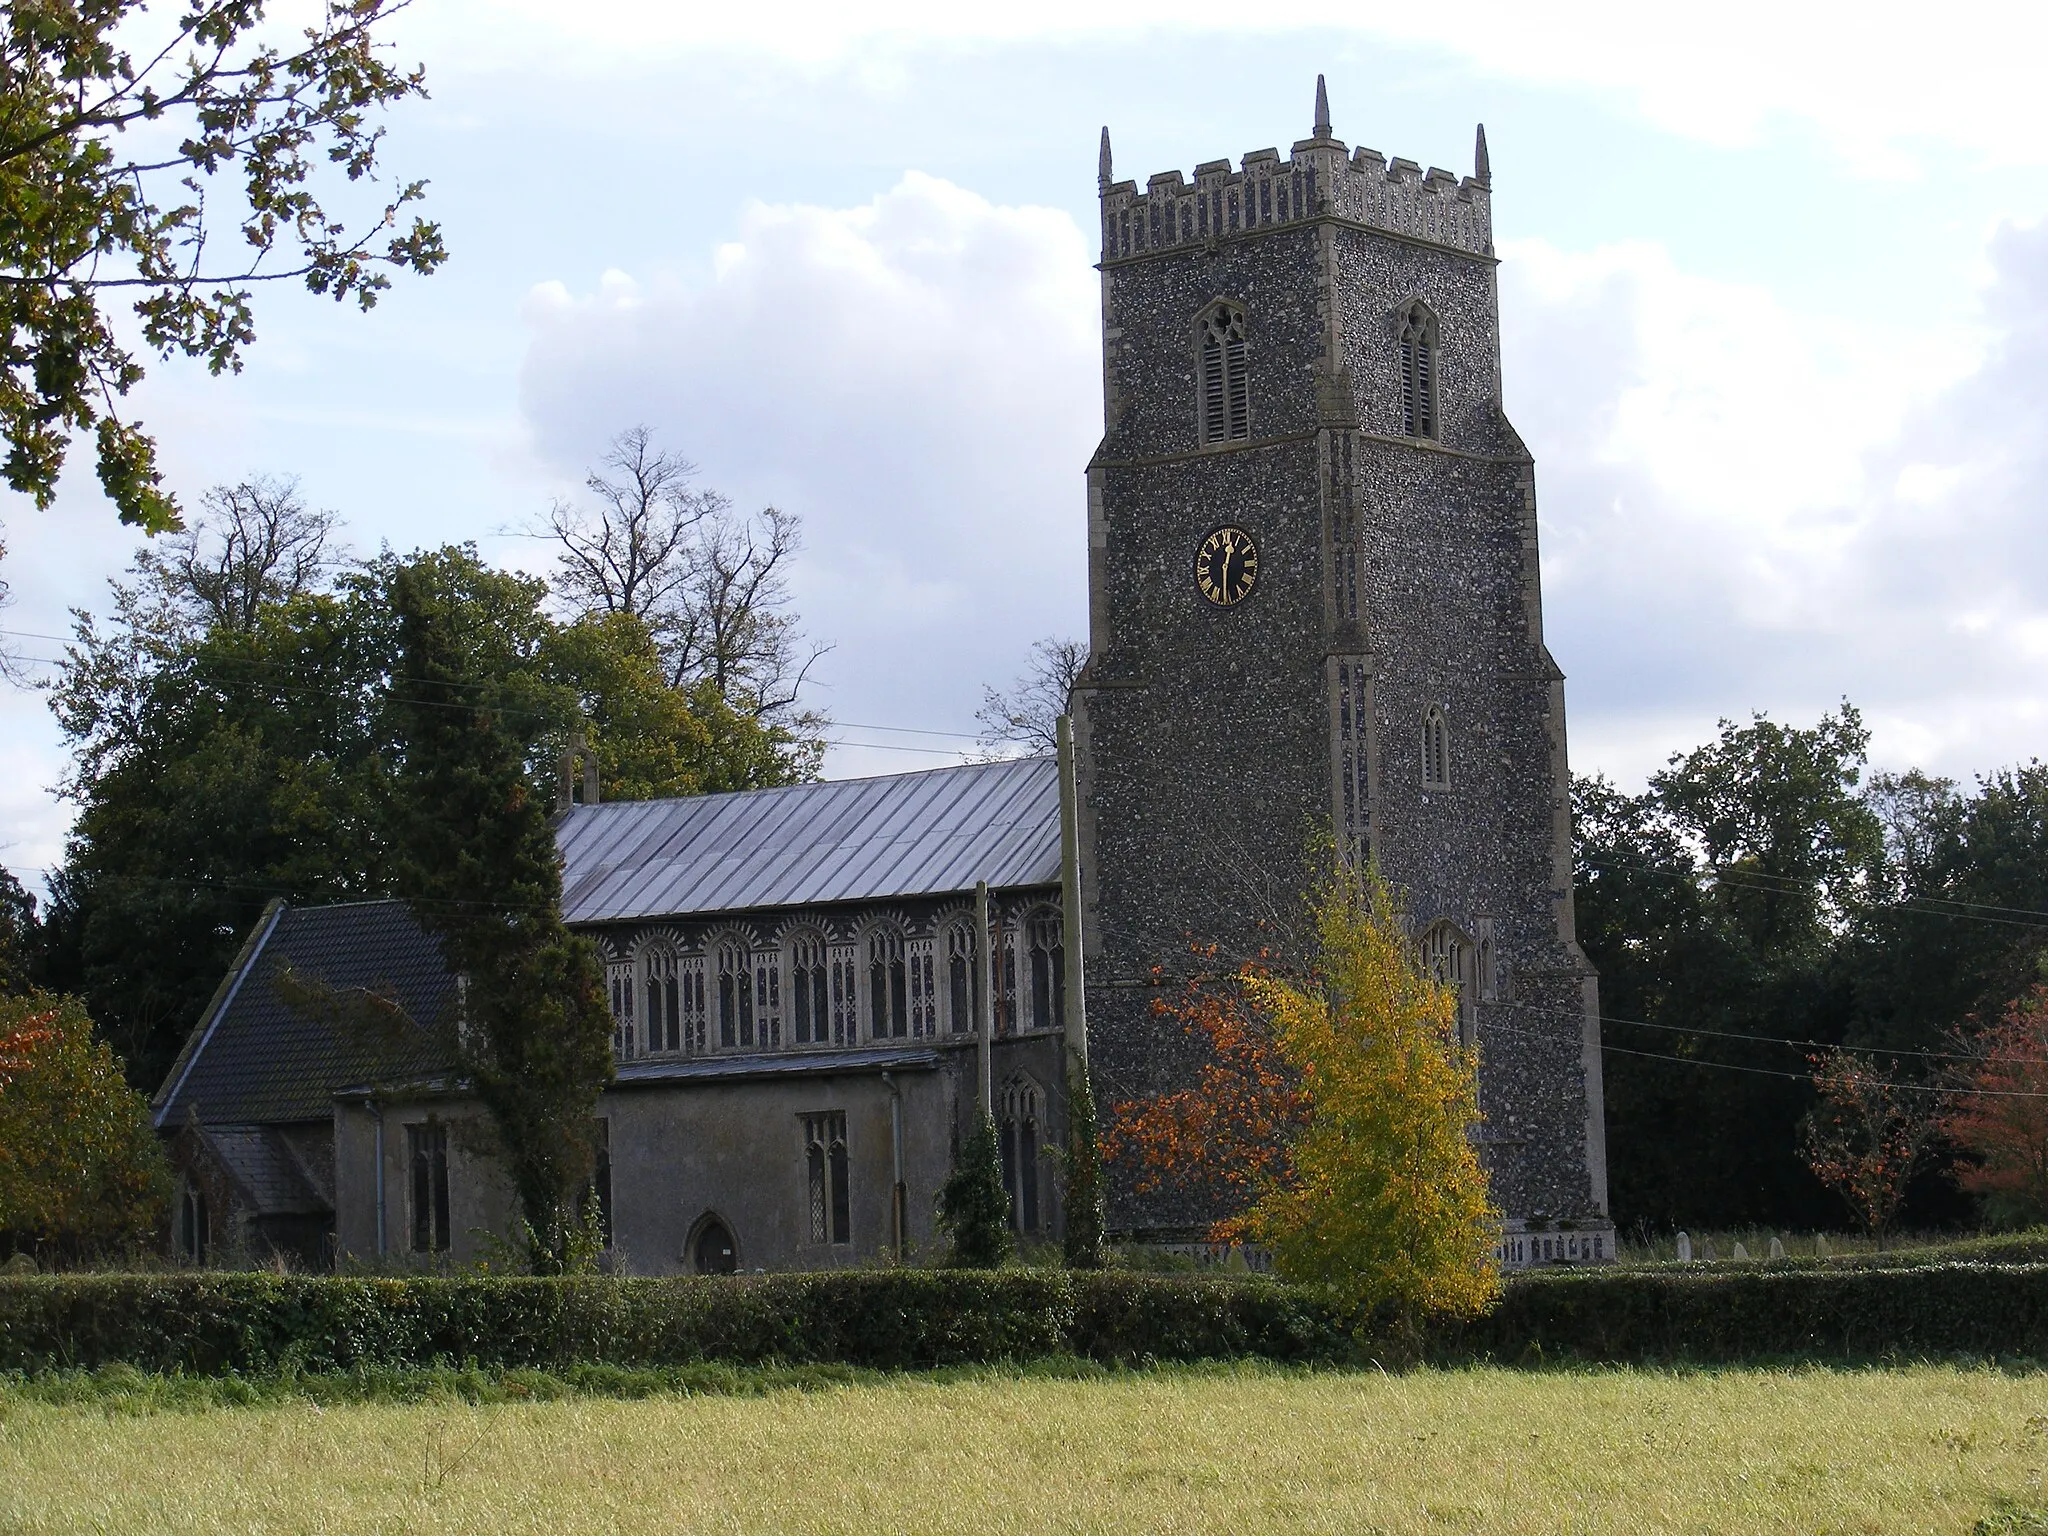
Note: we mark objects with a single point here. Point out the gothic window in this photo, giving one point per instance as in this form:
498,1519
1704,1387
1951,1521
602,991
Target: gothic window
1447,955
845,994
619,981
1048,970
1225,385
1418,371
810,991
1005,943
924,996
961,982
768,998
1020,1133
662,988
888,985
427,1146
735,997
696,1014
192,1231
829,1202
1436,749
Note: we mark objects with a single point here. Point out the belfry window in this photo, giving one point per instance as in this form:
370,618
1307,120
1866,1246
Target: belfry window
1436,750
1225,384
1418,371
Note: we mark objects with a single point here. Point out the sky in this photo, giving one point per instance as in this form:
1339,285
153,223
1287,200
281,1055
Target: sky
1774,293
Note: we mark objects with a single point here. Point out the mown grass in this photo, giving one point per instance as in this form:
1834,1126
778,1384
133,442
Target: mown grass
1059,1447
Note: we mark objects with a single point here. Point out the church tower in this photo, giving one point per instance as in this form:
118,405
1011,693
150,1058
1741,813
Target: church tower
1314,606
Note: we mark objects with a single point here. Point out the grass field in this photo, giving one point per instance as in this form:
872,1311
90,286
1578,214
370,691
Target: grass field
1925,1449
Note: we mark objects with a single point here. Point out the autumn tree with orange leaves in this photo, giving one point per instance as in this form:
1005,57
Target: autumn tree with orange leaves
1999,1111
81,1172
1335,1109
1866,1135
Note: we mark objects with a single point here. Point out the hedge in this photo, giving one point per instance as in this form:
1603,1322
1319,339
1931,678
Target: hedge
260,1324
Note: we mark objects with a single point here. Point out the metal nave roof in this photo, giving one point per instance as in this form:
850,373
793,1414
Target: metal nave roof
906,834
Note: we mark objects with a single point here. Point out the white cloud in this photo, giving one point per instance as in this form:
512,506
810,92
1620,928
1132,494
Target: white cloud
917,378
1885,85
1746,509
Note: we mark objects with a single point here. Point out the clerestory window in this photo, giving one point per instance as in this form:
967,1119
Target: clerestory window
1048,971
1418,371
1225,380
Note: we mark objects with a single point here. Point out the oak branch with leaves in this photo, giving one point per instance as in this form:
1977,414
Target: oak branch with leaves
177,159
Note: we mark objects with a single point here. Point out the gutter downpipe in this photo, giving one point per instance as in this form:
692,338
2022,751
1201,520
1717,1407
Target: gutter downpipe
377,1113
898,1203
985,1024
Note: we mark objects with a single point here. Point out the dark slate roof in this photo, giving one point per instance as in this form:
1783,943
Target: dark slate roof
725,1069
907,834
264,1169
253,1060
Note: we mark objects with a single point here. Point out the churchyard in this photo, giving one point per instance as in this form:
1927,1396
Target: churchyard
1066,1446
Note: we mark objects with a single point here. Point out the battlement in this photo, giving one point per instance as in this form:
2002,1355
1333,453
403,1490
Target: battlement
1320,178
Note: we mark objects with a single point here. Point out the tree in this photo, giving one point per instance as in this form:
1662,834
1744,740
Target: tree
1998,1111
81,1171
256,545
630,554
1342,1104
710,587
1714,906
476,860
19,936
119,130
1866,1136
974,1207
1027,713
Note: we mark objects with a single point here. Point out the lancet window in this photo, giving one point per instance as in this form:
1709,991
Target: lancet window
1436,749
735,996
1022,1114
888,985
961,982
810,991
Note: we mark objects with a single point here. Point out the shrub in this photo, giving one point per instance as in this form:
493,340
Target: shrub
263,1324
81,1172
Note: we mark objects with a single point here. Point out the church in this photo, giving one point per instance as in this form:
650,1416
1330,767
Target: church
1314,611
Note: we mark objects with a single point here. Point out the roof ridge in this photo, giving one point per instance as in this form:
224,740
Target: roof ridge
814,784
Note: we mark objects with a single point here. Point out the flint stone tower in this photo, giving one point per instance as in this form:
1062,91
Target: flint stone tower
1314,603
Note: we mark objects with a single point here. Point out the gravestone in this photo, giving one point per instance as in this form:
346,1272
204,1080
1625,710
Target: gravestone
1741,1252
1684,1249
1777,1248
1820,1247
1707,1250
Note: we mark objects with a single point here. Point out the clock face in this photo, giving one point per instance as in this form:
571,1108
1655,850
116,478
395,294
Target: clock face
1227,566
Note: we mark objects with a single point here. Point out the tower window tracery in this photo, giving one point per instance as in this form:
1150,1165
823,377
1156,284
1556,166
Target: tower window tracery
1436,749
1418,371
1225,380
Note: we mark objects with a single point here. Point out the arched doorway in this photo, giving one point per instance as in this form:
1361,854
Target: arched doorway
712,1250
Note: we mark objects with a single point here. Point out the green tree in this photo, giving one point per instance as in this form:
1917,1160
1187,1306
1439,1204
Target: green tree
20,936
974,1208
129,135
476,859
1714,905
81,1171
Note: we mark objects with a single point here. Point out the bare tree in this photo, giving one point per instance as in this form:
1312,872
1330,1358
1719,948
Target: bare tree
252,544
1027,713
630,552
710,583
731,626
